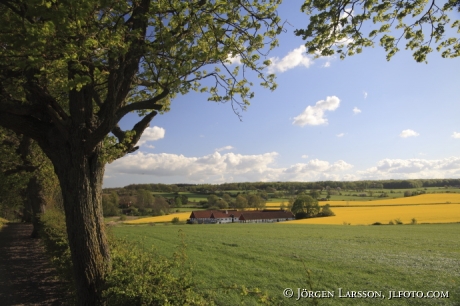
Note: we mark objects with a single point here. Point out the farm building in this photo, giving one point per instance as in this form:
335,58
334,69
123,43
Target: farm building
266,216
234,216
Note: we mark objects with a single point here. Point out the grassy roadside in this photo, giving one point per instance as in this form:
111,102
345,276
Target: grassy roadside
3,222
266,258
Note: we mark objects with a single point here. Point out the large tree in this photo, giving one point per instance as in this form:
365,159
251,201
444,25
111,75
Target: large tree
347,26
71,70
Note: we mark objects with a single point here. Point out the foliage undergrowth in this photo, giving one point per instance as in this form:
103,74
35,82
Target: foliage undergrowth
137,277
53,235
3,222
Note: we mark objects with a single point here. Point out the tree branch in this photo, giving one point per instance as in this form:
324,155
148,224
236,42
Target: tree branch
146,104
26,125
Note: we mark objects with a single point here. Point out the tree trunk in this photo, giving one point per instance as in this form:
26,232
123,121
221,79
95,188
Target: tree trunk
80,176
36,202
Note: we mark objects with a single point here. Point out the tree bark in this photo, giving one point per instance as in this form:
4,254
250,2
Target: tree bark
36,203
80,175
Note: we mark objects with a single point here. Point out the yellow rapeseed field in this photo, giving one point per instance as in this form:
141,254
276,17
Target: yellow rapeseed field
166,218
438,198
439,213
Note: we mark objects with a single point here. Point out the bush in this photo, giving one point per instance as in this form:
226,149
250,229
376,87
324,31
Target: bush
301,215
398,221
2,222
137,277
175,220
326,211
376,223
413,221
53,235
146,278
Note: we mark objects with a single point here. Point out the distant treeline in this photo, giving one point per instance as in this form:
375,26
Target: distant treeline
295,187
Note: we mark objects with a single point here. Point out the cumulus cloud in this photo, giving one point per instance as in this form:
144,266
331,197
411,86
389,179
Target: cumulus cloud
304,156
408,133
224,167
164,164
327,64
234,59
218,168
151,134
365,94
296,57
356,111
314,115
413,168
456,135
225,148
340,135
315,169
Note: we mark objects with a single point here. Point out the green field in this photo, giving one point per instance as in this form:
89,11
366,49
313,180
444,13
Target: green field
272,257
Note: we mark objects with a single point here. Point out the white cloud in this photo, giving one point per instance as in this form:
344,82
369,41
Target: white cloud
456,135
314,115
234,59
415,168
225,148
151,134
315,169
340,135
218,168
296,57
304,156
365,94
327,64
195,168
356,111
408,133
223,167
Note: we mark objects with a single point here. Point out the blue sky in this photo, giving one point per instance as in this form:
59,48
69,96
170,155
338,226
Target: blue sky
329,119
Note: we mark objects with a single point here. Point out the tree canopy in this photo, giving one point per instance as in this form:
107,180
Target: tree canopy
71,70
91,63
346,27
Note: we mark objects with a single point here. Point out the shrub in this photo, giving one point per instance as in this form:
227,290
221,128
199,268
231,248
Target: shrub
175,220
53,235
301,215
137,277
146,278
376,223
413,221
326,211
398,221
2,222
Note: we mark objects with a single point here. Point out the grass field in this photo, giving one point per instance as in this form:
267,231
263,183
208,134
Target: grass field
272,257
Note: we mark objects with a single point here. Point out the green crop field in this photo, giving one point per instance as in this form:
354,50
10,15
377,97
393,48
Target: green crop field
272,257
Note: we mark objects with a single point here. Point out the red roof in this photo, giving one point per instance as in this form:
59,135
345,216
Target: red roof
226,214
242,215
201,214
263,215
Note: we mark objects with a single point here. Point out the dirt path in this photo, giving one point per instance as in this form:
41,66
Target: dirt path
26,277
